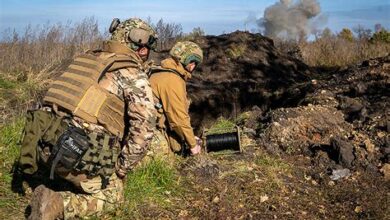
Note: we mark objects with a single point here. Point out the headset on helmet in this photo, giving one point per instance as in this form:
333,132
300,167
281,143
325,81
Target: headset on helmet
134,32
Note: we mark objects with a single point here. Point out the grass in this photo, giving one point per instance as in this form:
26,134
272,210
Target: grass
9,152
9,142
153,182
236,50
221,126
17,95
272,163
7,84
271,168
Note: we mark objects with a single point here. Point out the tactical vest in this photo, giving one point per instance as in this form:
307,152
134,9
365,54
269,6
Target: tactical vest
78,92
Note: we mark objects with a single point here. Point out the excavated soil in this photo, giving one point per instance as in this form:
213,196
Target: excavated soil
242,70
332,128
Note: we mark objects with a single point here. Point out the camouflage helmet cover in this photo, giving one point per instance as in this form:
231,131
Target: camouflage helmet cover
133,32
186,52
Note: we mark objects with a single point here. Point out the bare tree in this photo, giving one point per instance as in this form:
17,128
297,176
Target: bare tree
362,33
167,33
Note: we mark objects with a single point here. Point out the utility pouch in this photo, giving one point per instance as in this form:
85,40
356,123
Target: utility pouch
41,128
70,148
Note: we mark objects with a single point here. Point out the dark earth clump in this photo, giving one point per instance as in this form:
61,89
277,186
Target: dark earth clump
241,70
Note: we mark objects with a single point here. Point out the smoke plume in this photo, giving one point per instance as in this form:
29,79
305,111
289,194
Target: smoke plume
289,19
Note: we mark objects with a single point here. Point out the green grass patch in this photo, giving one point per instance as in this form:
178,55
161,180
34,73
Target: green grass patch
7,84
9,150
221,126
272,163
272,169
153,182
236,50
10,135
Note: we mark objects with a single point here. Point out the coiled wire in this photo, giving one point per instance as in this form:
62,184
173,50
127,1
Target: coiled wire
219,142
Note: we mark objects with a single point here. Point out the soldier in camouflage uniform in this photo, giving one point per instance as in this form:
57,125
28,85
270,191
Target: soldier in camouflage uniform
169,88
96,125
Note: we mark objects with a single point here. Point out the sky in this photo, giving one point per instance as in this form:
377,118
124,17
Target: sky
213,16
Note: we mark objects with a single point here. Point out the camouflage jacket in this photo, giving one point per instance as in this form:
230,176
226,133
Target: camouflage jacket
132,86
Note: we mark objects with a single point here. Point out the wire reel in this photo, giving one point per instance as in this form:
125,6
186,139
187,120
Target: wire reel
222,140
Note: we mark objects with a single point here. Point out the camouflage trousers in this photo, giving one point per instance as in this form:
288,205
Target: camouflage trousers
94,200
159,148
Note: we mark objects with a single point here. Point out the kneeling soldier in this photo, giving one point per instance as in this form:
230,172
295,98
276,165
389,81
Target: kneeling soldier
95,126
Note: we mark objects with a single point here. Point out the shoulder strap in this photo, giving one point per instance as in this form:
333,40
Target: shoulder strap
117,62
159,69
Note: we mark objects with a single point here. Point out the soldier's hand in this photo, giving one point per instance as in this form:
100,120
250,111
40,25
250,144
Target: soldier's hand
197,149
120,175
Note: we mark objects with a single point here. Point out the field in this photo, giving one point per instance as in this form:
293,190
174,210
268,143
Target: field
306,116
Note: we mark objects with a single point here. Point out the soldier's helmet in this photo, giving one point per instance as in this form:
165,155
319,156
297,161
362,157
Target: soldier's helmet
187,52
134,33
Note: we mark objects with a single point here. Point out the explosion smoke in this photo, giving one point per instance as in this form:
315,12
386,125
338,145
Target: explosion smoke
289,19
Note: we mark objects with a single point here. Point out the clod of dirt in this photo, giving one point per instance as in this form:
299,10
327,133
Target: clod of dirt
253,116
353,108
386,171
369,146
321,97
294,130
386,152
343,151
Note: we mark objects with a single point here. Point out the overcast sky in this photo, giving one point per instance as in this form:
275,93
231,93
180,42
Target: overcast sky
214,16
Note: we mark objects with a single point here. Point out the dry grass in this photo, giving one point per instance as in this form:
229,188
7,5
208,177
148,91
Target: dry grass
341,52
43,48
334,51
28,61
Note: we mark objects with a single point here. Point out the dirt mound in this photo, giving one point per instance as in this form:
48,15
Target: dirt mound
343,121
362,94
344,113
295,130
242,70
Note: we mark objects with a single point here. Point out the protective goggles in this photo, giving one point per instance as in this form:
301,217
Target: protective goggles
143,38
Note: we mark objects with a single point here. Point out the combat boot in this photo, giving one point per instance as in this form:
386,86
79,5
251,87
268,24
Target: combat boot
46,204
